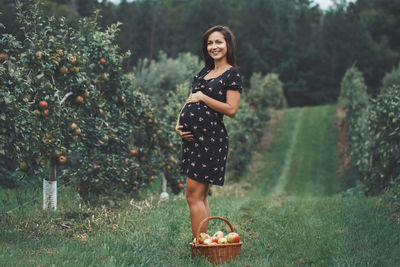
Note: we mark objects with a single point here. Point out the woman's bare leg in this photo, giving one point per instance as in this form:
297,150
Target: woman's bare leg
196,196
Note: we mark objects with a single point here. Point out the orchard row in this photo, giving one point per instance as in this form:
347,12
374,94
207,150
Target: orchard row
374,131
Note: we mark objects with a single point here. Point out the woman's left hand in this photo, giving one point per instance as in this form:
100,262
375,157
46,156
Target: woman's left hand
196,97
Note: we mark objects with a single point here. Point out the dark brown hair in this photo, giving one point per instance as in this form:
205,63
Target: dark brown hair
230,44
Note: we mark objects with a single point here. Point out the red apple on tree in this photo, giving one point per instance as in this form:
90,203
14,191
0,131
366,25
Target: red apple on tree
79,99
73,125
63,70
3,57
43,104
72,59
62,159
102,60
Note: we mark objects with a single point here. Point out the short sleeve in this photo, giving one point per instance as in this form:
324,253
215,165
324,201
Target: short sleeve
234,80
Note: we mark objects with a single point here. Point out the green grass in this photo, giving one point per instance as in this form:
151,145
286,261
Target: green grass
285,218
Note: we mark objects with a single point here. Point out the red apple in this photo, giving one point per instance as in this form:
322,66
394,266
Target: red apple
72,59
217,236
3,57
203,236
222,240
102,60
79,99
207,242
43,104
233,238
62,159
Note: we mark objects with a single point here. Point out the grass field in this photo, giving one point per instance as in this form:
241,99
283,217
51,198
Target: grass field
288,210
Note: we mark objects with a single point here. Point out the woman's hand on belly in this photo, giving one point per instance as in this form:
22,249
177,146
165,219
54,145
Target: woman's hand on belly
188,136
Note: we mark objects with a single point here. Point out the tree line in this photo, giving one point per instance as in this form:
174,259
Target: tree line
309,48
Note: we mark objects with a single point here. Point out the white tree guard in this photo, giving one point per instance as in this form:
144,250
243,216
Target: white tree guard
164,194
49,194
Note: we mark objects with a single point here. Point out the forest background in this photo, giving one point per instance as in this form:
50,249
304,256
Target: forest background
308,47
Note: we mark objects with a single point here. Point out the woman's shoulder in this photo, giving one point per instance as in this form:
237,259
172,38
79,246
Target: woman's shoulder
233,73
201,72
234,70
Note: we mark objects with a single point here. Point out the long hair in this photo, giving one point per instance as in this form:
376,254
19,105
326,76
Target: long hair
230,43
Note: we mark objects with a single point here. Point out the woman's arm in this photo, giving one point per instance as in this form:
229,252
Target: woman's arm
229,108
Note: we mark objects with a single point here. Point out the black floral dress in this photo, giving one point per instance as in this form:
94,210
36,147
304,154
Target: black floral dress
204,158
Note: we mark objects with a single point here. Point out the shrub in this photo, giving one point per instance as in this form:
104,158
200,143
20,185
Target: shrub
170,141
244,131
390,79
384,161
267,91
158,77
355,98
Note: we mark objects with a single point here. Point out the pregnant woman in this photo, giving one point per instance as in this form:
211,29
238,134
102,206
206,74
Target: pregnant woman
215,92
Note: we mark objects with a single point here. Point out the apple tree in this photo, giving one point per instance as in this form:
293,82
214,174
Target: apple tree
67,110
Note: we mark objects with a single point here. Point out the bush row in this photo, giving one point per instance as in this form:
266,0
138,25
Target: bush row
374,131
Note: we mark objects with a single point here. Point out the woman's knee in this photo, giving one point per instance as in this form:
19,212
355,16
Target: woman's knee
195,191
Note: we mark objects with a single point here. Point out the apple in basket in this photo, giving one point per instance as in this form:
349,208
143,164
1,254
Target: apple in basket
222,240
233,238
203,236
217,236
207,242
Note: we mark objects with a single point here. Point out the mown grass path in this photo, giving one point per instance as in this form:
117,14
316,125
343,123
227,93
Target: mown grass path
288,210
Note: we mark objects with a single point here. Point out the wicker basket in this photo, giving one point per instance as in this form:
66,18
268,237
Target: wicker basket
220,253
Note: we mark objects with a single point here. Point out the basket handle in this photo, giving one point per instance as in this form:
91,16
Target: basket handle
206,220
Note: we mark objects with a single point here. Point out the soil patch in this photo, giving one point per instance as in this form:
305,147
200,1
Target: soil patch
270,128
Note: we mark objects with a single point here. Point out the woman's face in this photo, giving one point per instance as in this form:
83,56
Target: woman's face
216,46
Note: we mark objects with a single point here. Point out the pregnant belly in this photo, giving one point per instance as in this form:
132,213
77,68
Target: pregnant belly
196,115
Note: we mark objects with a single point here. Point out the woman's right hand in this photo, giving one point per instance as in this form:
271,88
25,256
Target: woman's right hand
188,136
